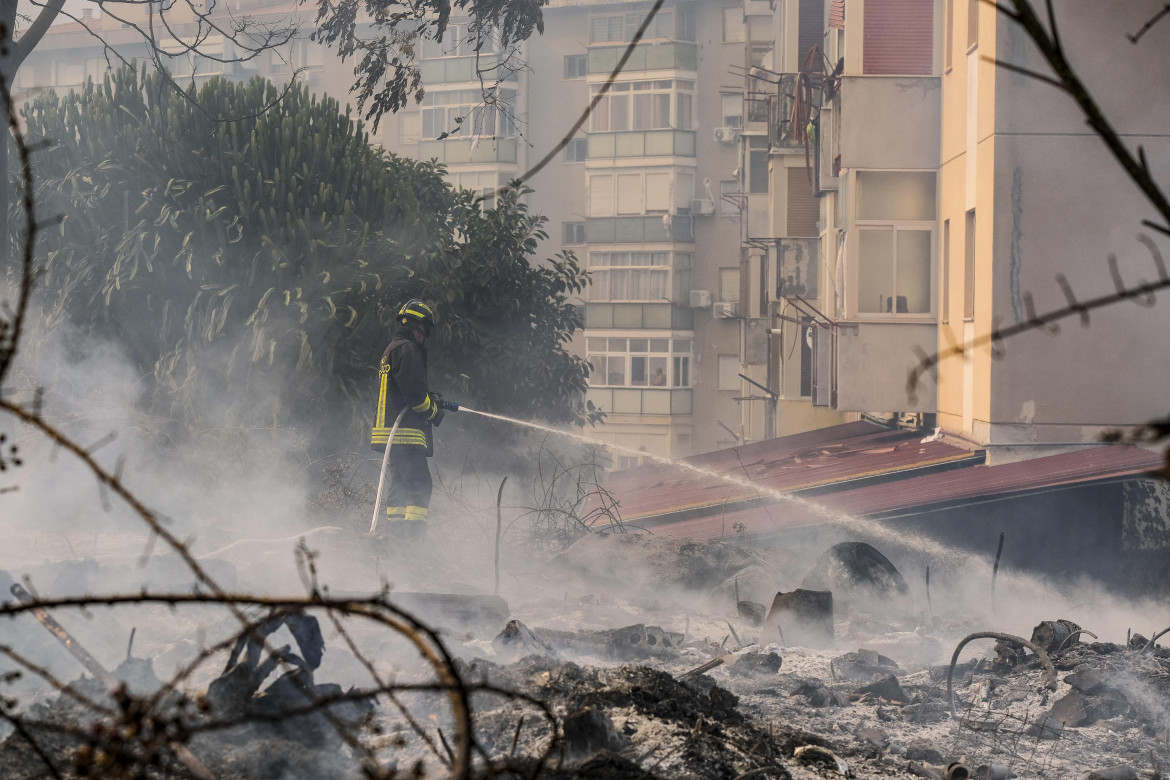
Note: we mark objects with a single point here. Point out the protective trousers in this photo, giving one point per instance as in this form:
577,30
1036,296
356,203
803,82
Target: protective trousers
410,485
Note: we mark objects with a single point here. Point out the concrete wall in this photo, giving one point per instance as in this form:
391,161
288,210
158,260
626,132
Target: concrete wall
1062,205
890,122
877,358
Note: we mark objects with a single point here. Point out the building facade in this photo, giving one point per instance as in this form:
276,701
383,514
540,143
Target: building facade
954,198
786,206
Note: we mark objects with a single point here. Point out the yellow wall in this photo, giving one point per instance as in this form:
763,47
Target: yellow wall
964,184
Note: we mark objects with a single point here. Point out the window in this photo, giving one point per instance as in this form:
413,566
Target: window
734,30
804,208
638,192
572,233
652,360
409,127
758,165
483,183
895,222
577,150
462,112
636,276
730,198
677,24
898,37
644,105
732,104
729,372
576,66
459,41
945,308
629,276
972,23
969,267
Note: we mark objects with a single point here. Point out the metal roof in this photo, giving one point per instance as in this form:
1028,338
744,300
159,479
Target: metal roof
857,469
828,458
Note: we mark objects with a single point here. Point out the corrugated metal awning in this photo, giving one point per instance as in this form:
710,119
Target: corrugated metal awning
928,492
739,477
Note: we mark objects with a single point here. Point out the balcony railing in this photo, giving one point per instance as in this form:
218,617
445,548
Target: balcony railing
669,55
447,70
454,151
641,401
621,230
642,143
786,107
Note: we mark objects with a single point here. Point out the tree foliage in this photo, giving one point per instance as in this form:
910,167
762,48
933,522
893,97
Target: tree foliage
386,37
253,267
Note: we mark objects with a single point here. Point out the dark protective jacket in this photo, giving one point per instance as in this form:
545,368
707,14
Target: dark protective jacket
403,382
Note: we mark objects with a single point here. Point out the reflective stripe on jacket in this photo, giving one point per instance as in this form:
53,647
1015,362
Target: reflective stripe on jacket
403,382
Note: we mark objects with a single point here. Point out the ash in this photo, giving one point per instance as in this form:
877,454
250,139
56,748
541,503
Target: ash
633,657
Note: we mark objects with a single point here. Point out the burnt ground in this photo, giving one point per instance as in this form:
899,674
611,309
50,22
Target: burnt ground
672,678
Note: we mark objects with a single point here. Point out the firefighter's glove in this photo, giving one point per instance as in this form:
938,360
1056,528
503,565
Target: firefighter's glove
438,408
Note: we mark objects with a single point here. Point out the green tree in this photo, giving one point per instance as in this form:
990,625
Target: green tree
261,260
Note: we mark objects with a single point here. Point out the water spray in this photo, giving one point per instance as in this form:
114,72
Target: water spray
839,518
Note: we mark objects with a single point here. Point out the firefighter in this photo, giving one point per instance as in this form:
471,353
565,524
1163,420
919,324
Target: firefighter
403,383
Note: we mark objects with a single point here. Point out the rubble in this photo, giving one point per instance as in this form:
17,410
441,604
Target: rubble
655,692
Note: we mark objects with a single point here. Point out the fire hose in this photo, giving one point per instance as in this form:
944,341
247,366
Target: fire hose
450,406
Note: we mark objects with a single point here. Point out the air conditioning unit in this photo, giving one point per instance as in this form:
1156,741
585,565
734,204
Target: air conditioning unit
703,207
726,135
700,299
725,310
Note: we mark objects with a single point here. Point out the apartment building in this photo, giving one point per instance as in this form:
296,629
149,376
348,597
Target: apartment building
950,195
652,194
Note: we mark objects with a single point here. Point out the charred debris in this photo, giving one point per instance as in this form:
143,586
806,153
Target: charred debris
839,677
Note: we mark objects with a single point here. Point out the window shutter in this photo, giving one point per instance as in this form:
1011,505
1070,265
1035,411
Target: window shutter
837,14
657,192
601,196
803,207
811,31
629,193
898,38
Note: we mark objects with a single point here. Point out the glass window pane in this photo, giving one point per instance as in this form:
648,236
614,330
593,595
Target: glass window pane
659,281
906,195
875,271
682,372
657,371
599,289
913,271
619,106
617,345
638,377
682,345
595,345
638,345
619,287
615,371
660,345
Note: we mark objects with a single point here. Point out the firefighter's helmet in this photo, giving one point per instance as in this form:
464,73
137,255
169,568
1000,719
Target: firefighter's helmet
416,312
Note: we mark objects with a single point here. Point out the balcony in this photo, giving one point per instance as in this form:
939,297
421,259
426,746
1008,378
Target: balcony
642,143
659,316
633,230
641,400
449,70
456,151
669,55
